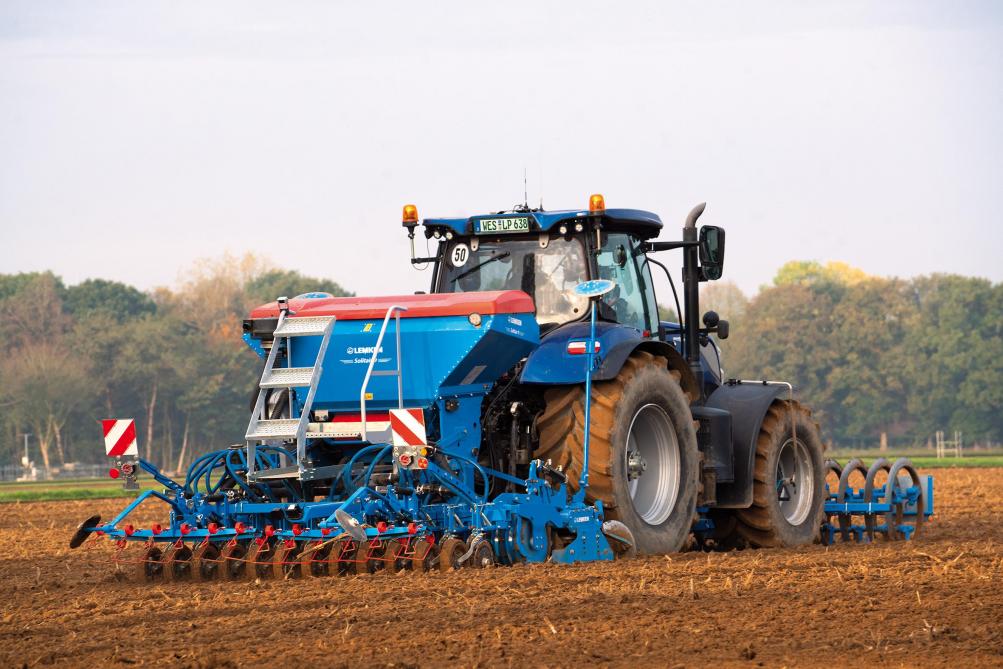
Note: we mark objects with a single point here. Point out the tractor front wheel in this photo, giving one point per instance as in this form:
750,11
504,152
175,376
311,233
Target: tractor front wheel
643,459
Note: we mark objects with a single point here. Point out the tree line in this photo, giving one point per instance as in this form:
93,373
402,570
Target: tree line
871,355
874,356
173,360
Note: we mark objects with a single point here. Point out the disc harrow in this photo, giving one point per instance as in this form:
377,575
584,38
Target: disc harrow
261,559
889,500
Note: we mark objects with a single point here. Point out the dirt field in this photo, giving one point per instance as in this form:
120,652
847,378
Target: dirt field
937,601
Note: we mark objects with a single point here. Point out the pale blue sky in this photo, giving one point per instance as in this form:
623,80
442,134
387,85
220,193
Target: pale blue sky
136,137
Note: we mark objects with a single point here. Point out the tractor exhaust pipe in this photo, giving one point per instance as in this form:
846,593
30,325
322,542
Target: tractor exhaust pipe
691,291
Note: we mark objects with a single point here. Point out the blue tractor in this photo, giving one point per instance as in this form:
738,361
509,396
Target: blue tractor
531,406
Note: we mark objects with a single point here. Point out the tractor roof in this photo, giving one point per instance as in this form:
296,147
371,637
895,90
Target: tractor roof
644,224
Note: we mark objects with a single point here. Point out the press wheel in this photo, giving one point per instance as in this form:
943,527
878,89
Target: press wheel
450,552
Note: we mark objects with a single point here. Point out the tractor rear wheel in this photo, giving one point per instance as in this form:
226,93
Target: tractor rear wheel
788,490
643,461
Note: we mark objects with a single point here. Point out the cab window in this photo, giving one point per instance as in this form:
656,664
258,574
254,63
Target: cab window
629,301
547,273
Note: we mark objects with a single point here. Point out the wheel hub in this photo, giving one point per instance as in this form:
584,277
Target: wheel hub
653,450
795,482
636,465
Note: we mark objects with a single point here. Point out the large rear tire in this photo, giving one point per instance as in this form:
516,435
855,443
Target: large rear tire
788,491
643,461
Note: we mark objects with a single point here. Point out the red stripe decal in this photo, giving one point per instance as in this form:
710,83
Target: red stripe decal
107,425
405,433
125,440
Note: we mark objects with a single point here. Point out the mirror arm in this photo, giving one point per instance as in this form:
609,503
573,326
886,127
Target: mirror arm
650,247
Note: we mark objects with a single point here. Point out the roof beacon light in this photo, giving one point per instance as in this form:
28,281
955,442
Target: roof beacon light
410,218
597,204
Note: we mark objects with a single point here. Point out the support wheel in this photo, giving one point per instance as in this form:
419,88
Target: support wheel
483,555
450,552
643,462
788,491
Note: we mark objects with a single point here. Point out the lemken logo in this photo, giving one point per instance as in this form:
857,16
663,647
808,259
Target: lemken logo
361,350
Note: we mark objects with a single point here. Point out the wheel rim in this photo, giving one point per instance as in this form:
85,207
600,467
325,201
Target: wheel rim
795,483
652,463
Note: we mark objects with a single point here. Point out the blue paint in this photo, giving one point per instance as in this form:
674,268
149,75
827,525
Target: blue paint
644,223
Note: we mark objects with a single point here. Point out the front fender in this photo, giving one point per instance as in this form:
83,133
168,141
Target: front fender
551,364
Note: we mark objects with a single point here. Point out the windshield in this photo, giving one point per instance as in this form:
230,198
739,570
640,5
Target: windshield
547,274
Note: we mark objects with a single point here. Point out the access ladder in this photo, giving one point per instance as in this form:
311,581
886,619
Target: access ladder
262,428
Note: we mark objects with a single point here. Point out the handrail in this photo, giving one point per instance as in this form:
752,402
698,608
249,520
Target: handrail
394,310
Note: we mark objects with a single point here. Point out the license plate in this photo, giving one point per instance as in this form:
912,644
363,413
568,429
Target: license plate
494,225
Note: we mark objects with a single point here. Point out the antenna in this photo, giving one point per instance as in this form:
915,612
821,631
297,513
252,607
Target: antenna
525,189
541,188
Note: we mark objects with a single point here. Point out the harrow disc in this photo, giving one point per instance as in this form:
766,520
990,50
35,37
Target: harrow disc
450,552
315,560
285,561
395,557
368,558
150,567
341,555
424,556
207,563
84,531
234,564
177,562
258,561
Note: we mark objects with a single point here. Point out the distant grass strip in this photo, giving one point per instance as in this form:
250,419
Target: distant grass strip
974,462
19,492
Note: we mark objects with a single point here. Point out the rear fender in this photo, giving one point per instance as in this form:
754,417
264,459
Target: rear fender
747,403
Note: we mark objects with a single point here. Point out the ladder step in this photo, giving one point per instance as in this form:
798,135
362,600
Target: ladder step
282,428
288,377
308,326
277,473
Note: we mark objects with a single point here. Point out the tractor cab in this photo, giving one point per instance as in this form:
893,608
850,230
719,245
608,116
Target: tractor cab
546,254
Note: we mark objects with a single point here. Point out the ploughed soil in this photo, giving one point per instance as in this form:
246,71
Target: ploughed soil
935,601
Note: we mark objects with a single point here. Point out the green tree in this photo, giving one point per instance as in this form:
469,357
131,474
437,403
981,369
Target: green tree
289,283
97,295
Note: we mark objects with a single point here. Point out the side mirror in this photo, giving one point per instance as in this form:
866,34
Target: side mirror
712,252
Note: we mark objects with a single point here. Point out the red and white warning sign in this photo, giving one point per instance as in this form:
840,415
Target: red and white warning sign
120,437
408,427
